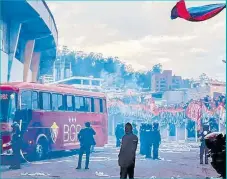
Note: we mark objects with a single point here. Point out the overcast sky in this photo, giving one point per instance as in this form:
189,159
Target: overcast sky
142,34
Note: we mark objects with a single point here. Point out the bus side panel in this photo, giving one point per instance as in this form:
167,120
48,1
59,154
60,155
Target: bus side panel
62,128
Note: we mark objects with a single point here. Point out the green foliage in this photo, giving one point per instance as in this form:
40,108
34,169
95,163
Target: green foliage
112,69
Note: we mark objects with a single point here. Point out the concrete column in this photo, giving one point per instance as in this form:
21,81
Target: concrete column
14,34
28,53
35,65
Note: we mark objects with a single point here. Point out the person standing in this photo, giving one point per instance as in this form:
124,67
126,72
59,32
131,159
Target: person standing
127,155
118,135
86,138
16,143
203,148
156,141
148,138
142,139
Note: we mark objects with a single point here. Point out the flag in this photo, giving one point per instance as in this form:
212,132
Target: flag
196,14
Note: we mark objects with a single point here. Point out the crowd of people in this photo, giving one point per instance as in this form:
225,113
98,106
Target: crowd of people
212,144
149,137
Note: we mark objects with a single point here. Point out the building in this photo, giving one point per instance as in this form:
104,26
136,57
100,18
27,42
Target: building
176,82
29,36
165,81
162,81
83,83
62,69
217,88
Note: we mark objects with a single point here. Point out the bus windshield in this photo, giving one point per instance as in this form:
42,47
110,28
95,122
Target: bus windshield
7,106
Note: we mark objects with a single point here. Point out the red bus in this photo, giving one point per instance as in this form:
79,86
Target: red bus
50,116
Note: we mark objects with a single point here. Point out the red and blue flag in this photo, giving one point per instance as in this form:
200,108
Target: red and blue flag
196,14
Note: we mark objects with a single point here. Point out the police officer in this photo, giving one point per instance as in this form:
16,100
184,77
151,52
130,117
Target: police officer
86,138
16,146
148,139
142,138
117,135
203,148
156,140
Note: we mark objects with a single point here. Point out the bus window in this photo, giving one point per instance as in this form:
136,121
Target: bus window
104,106
97,105
26,100
61,106
35,102
57,102
46,105
88,104
92,105
101,105
80,103
69,103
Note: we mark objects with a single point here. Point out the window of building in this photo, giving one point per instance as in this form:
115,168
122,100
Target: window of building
85,82
69,103
46,102
35,100
95,82
26,100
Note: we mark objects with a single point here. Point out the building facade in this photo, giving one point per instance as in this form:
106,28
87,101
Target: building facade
165,81
83,83
29,36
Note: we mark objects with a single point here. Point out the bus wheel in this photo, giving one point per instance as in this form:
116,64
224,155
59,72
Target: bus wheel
41,149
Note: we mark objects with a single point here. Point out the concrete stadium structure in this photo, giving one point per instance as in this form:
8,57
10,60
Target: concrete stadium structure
29,36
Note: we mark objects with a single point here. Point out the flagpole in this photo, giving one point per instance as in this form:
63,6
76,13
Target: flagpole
219,124
113,127
196,127
185,131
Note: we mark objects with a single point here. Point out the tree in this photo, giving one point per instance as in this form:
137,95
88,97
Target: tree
157,68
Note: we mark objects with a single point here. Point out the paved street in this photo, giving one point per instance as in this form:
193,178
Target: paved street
179,160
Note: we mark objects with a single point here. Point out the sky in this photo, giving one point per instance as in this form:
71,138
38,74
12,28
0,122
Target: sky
142,34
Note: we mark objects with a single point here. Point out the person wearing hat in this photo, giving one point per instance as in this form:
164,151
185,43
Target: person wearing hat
16,146
86,138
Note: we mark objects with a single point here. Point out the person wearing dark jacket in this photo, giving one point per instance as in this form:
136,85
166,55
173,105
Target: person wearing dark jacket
16,146
127,155
148,140
142,139
86,138
156,141
118,135
203,149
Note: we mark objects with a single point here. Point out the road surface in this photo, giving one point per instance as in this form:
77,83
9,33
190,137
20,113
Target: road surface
179,160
